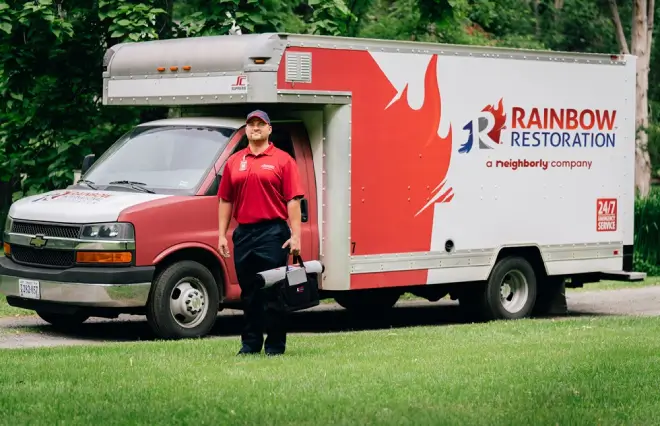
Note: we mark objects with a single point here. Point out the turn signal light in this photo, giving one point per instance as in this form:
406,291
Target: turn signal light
7,249
104,257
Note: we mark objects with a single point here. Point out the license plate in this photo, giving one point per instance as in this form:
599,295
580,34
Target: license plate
29,289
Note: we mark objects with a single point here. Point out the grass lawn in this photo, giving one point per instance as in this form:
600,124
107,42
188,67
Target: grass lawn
9,311
574,371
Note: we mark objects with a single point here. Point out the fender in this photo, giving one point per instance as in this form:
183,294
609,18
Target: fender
190,244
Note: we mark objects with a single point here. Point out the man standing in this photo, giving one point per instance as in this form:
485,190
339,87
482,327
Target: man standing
261,184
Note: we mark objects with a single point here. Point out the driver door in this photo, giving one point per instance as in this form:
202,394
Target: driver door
292,138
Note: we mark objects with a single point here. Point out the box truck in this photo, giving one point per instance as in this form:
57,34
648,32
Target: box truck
494,176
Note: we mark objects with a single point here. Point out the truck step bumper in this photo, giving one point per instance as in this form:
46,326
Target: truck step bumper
622,276
93,295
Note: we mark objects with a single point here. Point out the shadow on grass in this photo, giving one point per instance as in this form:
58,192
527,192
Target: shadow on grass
315,321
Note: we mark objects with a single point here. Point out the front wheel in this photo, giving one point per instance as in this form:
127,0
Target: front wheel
183,302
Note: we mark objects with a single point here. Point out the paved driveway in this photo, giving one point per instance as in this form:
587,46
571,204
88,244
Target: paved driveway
322,319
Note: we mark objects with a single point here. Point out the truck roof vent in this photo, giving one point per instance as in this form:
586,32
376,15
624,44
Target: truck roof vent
299,67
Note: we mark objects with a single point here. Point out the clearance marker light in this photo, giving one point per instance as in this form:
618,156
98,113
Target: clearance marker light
174,68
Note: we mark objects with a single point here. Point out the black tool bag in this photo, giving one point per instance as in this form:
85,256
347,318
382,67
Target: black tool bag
297,291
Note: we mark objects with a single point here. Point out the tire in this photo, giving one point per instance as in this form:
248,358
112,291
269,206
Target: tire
63,321
510,292
183,302
368,300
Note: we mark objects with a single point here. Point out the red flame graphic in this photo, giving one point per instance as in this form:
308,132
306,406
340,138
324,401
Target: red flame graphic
500,120
398,161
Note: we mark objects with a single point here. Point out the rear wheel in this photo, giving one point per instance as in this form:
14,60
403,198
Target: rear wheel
183,302
509,293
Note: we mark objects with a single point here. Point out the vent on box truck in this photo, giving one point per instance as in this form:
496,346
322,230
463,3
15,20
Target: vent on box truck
298,67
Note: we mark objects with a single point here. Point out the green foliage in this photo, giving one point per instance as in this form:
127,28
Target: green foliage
647,234
391,20
51,63
312,17
49,89
129,21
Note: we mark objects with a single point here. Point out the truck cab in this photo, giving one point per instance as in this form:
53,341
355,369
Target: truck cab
142,214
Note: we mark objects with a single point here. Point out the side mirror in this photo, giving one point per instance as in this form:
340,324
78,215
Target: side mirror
304,210
87,163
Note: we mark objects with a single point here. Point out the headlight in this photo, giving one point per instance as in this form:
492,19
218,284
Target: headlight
8,223
108,231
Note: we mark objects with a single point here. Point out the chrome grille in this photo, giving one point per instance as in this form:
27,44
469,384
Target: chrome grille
43,257
48,230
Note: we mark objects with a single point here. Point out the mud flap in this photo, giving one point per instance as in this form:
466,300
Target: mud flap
551,299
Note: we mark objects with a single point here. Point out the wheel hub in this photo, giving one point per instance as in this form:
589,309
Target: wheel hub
188,302
514,291
194,301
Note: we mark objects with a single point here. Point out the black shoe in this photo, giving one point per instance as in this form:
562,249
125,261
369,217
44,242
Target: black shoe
245,351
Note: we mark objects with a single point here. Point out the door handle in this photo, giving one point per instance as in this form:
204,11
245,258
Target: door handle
303,210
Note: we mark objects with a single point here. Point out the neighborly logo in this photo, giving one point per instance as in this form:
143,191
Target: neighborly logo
39,241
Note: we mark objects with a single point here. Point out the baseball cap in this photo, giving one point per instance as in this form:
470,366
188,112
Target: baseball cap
259,114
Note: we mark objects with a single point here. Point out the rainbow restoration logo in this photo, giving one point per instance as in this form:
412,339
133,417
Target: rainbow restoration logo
546,128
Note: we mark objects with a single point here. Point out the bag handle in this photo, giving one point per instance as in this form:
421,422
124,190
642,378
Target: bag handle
295,256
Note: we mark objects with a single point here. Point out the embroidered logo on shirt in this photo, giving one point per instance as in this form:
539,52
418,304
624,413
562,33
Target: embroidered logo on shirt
268,166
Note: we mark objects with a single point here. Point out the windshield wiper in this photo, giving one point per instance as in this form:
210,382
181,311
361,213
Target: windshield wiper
88,183
135,185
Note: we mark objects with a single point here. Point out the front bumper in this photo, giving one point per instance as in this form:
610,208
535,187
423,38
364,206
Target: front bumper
84,286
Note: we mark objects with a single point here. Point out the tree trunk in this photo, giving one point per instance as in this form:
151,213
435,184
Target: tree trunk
620,36
537,19
640,48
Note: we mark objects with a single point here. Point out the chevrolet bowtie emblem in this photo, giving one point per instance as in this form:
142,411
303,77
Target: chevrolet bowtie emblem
38,241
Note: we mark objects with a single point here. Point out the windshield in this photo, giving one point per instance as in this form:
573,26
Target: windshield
168,159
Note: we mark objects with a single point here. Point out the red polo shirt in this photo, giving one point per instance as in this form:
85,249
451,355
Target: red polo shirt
260,186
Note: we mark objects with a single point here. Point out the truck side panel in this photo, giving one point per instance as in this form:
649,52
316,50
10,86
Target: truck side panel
455,157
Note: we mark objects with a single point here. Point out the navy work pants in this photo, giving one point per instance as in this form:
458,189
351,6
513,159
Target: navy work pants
258,247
